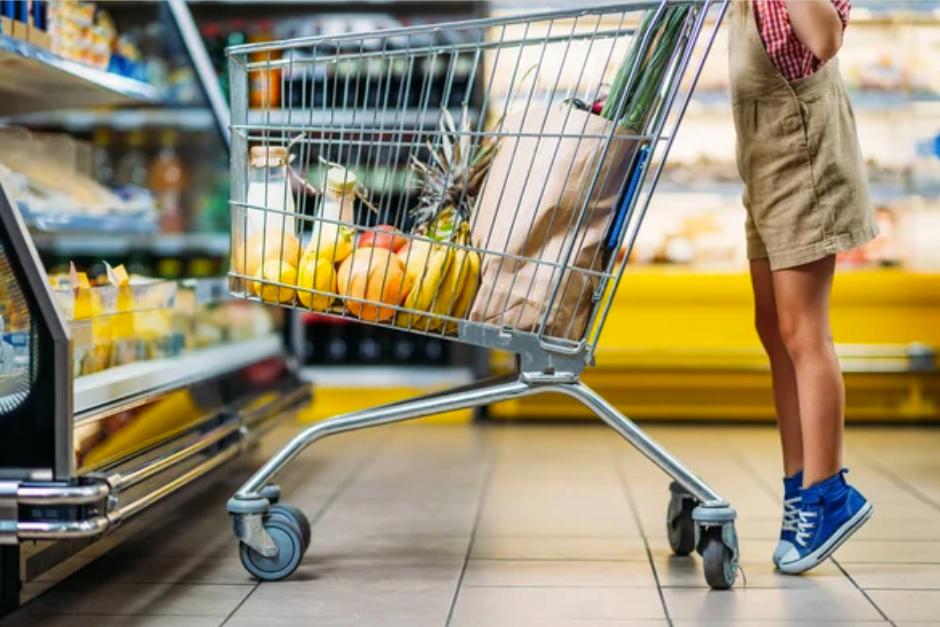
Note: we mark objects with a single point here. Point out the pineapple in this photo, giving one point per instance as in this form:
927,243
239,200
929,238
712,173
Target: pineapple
451,180
449,184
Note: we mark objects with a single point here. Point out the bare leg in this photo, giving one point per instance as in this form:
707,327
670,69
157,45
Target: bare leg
786,399
802,296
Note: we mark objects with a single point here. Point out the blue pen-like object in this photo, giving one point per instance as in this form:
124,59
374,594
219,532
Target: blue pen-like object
623,210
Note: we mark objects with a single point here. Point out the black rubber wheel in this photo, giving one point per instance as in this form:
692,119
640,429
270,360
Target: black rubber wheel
295,516
721,569
680,528
290,551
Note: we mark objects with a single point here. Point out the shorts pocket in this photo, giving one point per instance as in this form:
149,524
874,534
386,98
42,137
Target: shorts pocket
816,118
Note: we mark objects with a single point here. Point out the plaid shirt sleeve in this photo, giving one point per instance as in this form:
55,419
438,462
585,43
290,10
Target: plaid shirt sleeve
791,58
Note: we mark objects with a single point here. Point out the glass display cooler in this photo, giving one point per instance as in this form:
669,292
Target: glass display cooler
117,394
80,456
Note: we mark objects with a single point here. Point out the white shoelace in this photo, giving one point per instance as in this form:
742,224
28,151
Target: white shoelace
791,513
805,527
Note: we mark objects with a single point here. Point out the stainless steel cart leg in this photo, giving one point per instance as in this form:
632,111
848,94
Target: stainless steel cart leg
271,546
711,522
273,537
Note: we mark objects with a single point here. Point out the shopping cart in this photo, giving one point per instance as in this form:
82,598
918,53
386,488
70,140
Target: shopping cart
465,181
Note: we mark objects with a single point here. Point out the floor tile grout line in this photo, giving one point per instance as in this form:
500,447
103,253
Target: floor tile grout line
565,586
904,485
240,603
758,479
888,562
883,589
368,457
628,494
561,559
489,467
863,591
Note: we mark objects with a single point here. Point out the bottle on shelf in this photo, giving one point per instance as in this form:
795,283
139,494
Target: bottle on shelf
131,168
103,164
264,89
167,181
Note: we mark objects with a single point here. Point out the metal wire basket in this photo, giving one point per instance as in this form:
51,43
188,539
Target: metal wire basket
514,209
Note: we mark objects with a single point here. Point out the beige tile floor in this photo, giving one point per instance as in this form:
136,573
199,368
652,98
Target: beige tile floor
529,525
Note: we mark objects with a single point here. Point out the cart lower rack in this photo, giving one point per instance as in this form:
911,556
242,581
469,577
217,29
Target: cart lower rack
480,181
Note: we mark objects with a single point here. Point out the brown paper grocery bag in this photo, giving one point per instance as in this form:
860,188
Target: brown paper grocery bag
529,209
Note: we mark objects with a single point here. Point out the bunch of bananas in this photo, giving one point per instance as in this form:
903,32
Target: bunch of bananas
442,272
444,279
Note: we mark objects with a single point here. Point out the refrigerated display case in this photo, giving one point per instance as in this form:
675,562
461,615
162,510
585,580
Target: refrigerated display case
680,342
115,399
80,456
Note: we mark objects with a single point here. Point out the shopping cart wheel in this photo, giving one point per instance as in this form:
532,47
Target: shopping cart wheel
680,527
718,561
295,516
290,549
272,493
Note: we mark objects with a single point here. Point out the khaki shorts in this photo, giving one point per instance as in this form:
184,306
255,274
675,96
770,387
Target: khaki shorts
805,185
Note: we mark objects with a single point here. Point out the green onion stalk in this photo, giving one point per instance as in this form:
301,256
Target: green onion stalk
633,110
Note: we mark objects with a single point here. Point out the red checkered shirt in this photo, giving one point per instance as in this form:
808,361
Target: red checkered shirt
792,59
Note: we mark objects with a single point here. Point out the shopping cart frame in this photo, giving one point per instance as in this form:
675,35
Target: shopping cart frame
274,536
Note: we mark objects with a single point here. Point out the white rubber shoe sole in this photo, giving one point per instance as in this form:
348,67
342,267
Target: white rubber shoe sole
829,547
783,547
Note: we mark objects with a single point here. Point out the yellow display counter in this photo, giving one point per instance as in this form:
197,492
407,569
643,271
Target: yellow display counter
681,344
346,389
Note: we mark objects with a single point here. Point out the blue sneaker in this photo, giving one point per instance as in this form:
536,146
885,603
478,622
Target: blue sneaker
830,512
792,486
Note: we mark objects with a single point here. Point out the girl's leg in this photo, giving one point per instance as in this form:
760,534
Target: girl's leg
786,399
802,298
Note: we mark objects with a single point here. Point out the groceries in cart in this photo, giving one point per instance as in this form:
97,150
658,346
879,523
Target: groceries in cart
506,230
563,167
518,219
375,273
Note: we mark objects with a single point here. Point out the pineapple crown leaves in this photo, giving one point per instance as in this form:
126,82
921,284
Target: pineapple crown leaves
453,174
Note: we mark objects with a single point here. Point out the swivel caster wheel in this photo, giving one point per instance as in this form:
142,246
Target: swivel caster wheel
718,561
680,528
290,550
294,516
272,493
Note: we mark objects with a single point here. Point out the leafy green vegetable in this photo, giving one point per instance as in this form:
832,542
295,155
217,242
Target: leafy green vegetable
633,109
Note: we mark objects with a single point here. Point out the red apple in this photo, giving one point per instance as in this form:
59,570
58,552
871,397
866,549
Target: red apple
384,236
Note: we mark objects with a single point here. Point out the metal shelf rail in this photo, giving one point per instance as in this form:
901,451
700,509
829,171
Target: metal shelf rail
33,79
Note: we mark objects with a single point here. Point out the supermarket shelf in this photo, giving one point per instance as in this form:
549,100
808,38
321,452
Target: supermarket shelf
344,389
111,224
373,377
354,119
216,244
112,385
712,102
33,79
82,120
880,192
208,291
680,343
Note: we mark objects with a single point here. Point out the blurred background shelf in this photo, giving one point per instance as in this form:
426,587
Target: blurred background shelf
126,119
33,79
120,243
390,120
718,102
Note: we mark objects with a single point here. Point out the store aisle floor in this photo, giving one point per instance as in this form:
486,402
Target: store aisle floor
523,525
